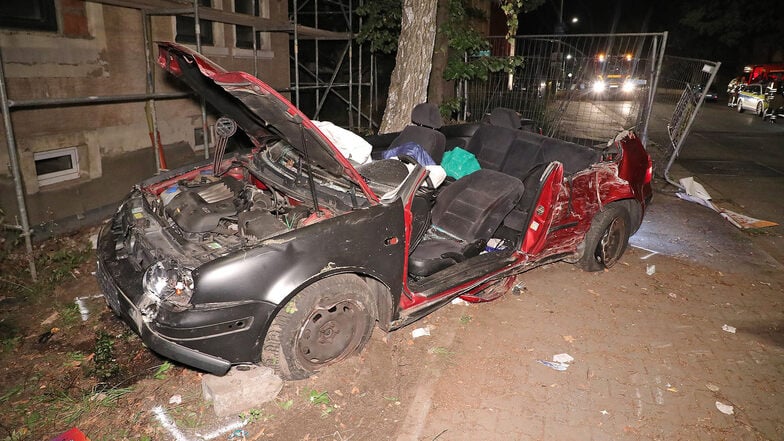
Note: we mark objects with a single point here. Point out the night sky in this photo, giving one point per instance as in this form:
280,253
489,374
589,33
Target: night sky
756,28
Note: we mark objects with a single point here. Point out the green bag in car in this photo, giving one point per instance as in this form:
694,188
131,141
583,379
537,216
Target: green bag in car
458,163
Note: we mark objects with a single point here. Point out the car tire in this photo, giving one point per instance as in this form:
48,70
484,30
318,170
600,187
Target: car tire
759,109
739,106
326,322
607,239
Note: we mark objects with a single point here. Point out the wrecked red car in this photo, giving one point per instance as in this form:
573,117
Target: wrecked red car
288,254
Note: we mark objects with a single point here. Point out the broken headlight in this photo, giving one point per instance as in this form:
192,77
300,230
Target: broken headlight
167,281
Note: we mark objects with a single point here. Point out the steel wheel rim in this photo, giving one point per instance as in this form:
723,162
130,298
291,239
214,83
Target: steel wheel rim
330,333
608,251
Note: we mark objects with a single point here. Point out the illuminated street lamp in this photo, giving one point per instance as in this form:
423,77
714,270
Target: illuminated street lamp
575,20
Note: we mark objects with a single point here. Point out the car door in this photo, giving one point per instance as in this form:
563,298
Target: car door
543,211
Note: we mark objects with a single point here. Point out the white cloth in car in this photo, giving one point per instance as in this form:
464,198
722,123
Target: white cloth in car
351,145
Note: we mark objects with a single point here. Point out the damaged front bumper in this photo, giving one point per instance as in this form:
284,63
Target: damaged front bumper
210,338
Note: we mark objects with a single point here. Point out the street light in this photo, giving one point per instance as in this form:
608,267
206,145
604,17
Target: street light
575,20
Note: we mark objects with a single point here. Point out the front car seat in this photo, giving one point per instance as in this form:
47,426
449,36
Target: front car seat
426,120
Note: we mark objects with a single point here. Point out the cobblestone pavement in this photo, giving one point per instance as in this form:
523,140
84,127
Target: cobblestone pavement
651,359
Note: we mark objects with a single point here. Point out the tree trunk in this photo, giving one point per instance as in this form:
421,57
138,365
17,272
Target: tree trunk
408,85
439,87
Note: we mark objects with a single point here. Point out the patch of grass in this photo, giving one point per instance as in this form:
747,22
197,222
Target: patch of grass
465,319
69,314
162,371
322,399
254,415
315,397
106,366
286,405
13,390
68,409
9,337
54,264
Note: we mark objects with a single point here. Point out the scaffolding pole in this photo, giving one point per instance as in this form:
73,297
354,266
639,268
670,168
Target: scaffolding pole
15,170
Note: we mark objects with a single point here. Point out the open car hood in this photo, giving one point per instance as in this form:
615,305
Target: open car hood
257,108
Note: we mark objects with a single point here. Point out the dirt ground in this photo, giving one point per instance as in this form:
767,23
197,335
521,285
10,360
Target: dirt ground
651,362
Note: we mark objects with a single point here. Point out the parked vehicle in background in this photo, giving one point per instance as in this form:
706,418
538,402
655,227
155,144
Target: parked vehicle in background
711,95
752,97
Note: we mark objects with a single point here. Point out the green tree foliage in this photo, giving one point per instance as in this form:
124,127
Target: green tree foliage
469,57
512,10
380,25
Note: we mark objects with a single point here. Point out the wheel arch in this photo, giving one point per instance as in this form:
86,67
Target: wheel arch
382,311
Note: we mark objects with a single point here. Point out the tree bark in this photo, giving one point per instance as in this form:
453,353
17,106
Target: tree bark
438,88
408,85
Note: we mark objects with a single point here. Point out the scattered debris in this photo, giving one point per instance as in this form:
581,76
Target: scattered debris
175,399
650,270
459,301
673,295
724,408
51,319
604,412
694,192
420,332
46,336
568,338
563,358
712,387
728,328
519,288
554,365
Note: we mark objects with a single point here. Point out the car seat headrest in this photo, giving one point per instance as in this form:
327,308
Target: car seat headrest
503,117
427,115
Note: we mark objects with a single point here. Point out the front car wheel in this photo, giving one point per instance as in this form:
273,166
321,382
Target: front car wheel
325,323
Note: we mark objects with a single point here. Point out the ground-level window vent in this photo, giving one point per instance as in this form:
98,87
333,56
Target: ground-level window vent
56,165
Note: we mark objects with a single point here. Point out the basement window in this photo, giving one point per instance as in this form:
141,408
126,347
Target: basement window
34,15
56,165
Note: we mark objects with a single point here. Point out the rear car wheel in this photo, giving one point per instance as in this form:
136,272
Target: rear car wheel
325,323
739,106
607,238
759,108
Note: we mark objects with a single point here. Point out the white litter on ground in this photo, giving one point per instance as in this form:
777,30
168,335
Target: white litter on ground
725,408
420,332
728,328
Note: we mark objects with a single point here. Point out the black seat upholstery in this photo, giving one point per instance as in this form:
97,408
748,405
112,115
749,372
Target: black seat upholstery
426,121
465,216
491,144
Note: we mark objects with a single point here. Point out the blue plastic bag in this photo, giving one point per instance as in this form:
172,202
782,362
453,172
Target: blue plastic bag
458,163
411,149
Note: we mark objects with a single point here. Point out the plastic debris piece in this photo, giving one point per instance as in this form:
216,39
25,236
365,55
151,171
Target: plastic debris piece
73,434
604,412
650,270
725,408
563,358
673,295
83,310
554,365
239,434
712,387
459,301
175,399
420,332
728,328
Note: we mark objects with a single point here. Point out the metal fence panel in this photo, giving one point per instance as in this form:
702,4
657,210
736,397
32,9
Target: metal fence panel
581,88
678,100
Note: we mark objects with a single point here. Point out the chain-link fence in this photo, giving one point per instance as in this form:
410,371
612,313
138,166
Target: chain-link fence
683,85
581,88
